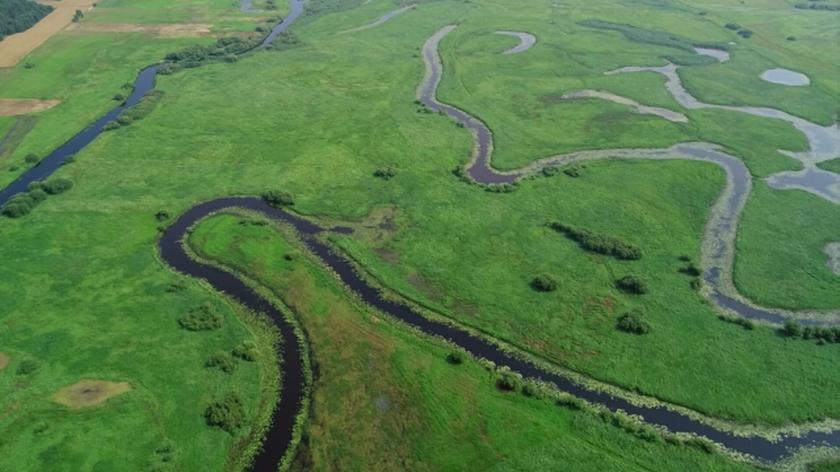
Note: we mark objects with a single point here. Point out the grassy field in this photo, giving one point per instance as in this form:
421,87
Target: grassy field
87,294
832,165
407,407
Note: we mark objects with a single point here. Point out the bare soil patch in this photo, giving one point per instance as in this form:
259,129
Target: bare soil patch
15,47
89,393
4,360
23,106
163,30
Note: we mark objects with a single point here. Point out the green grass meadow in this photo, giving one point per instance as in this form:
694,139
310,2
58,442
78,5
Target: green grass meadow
85,296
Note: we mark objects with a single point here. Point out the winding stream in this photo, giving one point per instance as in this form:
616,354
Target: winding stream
526,41
717,258
719,238
380,20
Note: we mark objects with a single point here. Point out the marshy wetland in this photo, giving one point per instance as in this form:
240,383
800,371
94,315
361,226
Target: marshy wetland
395,293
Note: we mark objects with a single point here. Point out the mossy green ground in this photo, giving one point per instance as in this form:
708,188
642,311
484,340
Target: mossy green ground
317,120
407,407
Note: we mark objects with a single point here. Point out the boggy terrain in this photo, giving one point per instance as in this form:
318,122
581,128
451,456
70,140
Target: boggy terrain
414,222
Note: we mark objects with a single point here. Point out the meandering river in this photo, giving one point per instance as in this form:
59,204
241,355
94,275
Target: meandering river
717,257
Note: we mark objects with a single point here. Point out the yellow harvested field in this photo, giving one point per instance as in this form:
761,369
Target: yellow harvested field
166,30
15,47
23,106
89,393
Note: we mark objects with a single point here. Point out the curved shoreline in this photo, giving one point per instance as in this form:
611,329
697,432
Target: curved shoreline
760,448
382,19
526,41
718,249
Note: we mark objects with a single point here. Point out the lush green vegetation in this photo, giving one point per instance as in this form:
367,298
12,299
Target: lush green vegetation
409,404
87,298
20,15
598,243
831,166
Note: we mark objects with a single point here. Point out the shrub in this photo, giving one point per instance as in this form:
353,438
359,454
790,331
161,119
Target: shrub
57,185
18,206
246,350
455,357
745,33
119,97
77,16
201,318
32,159
791,329
574,171
633,322
221,361
27,367
111,125
598,243
227,414
544,283
631,284
37,195
691,270
508,381
386,173
278,198
162,215
733,26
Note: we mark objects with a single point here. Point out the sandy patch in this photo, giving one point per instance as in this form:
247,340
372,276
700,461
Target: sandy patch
166,31
17,46
22,106
89,393
4,360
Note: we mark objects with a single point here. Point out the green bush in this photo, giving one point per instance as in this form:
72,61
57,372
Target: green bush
691,270
37,195
574,171
631,284
544,283
633,322
598,243
227,414
162,215
455,357
278,198
508,381
27,367
32,159
57,185
201,318
385,173
221,361
246,350
791,329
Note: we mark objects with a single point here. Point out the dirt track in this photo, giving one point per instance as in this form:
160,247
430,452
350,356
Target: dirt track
15,47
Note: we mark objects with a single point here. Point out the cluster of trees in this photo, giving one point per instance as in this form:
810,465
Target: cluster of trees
20,15
544,283
599,243
23,203
137,112
278,198
201,318
226,362
227,413
743,32
633,322
791,329
225,49
817,5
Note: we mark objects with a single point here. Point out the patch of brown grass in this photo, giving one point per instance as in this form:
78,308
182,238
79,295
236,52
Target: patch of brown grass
23,106
89,393
4,360
15,47
163,30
